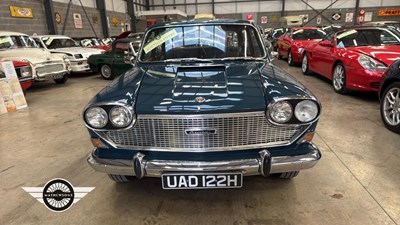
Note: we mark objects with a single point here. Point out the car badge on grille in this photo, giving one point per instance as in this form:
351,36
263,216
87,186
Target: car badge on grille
201,131
200,99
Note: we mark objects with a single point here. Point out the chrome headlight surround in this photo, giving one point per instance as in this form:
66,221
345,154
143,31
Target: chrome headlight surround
303,110
25,71
280,112
306,111
96,117
120,116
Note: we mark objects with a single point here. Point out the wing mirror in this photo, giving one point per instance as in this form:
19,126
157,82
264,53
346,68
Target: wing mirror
325,43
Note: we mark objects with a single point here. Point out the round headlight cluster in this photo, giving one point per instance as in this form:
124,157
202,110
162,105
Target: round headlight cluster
96,117
117,117
120,116
306,111
281,112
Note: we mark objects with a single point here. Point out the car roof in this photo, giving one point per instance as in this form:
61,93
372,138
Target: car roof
201,21
4,33
53,36
306,28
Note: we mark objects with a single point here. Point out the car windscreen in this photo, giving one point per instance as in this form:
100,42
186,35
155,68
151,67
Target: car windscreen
202,42
367,37
16,41
308,34
52,43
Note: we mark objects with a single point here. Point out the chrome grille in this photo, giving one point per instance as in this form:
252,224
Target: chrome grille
49,68
222,132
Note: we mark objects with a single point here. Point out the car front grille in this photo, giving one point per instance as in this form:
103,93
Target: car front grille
49,68
203,133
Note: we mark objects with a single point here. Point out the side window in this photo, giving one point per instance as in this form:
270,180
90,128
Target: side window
38,42
255,45
329,36
120,48
287,35
387,38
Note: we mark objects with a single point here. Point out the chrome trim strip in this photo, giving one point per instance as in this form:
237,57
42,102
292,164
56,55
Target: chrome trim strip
154,168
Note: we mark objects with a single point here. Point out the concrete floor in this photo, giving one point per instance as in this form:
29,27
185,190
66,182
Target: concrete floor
356,182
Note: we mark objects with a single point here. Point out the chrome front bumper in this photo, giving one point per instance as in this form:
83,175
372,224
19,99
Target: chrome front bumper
265,165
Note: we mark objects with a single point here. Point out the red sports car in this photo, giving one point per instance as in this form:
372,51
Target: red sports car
292,43
24,73
353,58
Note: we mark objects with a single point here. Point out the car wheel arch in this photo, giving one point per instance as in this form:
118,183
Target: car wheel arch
386,84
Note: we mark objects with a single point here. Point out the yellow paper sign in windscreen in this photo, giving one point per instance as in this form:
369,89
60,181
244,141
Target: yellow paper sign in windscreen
159,40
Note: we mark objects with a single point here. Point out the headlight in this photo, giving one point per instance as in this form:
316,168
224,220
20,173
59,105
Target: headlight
66,58
120,116
25,71
96,117
306,111
370,64
300,50
281,112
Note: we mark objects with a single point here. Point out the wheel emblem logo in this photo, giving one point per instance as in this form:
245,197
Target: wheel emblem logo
58,194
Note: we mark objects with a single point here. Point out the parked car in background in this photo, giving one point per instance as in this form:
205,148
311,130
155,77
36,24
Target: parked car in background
93,42
292,43
62,44
389,95
353,58
274,35
24,73
201,110
16,46
112,63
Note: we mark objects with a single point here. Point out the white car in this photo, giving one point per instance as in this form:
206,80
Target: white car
20,47
62,44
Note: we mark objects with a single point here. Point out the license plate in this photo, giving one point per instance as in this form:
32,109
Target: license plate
201,180
58,76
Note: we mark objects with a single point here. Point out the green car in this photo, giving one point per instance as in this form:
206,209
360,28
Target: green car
113,62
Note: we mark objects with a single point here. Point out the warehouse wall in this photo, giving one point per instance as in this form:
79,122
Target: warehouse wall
272,9
24,25
38,25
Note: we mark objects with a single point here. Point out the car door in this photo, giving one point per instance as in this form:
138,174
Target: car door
323,56
285,43
119,66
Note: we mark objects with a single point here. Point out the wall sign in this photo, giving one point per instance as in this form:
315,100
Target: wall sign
336,16
249,16
389,12
78,21
21,12
114,21
57,16
319,18
349,17
264,19
368,16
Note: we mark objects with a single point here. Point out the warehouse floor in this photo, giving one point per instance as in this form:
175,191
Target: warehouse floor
356,182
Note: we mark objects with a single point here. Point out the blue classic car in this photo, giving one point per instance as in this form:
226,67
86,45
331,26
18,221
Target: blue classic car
202,108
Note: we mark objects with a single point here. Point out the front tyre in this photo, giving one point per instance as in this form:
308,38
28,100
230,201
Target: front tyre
304,65
106,72
120,178
339,78
390,107
62,80
287,175
290,58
